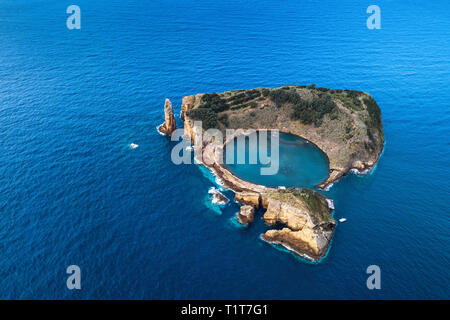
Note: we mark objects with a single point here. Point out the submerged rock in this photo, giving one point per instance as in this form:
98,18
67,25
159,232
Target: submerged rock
218,196
246,214
169,120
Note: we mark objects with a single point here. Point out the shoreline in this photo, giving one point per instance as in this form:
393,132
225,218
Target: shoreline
326,185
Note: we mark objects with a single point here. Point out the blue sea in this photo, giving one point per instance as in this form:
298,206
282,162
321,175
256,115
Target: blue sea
72,191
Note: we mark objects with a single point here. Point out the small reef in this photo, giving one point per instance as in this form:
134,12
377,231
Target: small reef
246,214
218,197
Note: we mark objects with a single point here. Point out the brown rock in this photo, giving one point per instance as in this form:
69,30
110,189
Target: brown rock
169,120
246,215
248,198
304,233
302,242
264,201
358,165
188,103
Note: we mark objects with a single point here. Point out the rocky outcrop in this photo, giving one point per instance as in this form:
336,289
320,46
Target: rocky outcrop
248,198
308,221
169,120
188,103
246,215
303,242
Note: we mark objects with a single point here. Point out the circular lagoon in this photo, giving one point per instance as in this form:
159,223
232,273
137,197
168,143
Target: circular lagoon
301,163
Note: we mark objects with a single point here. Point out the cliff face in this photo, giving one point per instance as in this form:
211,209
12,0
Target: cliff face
308,222
189,103
248,198
169,119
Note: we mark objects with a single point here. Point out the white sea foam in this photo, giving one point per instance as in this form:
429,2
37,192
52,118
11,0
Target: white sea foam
328,187
235,222
157,129
212,190
361,173
330,204
286,248
208,174
210,205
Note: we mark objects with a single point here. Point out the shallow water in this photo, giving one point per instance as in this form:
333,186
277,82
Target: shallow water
73,192
300,163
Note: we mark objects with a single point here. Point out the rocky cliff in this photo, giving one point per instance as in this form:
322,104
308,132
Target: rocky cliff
246,215
169,119
307,219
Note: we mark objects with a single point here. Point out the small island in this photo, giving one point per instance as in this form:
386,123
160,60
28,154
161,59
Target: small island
345,124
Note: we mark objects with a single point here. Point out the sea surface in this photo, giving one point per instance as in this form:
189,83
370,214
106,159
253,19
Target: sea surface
72,191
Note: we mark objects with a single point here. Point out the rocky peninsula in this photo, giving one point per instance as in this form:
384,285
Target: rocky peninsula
345,124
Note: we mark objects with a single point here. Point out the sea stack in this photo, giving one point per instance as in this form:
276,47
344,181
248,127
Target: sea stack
169,119
246,214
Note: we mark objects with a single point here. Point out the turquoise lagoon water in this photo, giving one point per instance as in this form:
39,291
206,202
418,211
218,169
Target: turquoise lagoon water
73,192
301,163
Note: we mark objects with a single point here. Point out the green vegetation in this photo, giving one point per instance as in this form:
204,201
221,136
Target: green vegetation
313,200
307,104
207,116
306,111
214,102
374,112
224,120
313,111
372,123
348,131
350,99
244,96
282,96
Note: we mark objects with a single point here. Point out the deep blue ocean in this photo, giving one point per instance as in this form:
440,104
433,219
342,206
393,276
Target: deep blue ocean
73,192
